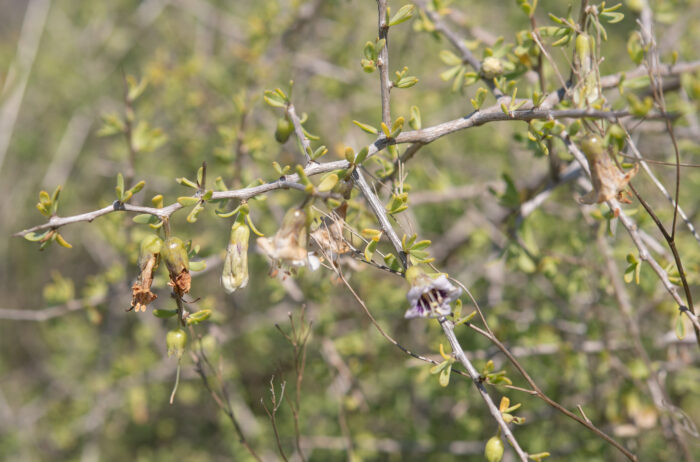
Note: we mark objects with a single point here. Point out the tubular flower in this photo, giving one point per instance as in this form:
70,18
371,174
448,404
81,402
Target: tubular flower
235,273
328,235
178,263
587,90
608,181
288,246
428,297
149,257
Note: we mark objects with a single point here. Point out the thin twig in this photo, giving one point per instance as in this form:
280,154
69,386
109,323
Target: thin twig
655,385
383,62
299,132
447,325
448,329
644,253
51,312
200,360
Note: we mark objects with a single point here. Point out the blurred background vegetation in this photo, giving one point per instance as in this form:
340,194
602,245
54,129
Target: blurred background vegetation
93,383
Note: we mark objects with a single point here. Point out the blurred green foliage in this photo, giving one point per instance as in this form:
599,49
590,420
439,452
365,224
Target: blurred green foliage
94,383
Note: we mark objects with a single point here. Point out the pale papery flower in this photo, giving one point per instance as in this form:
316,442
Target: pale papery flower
235,274
287,248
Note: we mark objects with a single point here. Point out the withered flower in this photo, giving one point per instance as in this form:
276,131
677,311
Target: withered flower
175,256
235,273
288,246
428,297
149,257
328,236
609,181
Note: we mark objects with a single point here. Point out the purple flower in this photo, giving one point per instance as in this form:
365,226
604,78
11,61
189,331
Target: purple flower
428,297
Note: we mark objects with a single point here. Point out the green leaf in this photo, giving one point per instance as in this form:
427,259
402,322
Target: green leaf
366,128
414,120
636,83
451,72
220,185
450,58
466,319
309,135
187,201
137,187
35,236
320,152
135,88
369,249
56,194
187,182
145,218
147,139
328,182
369,52
612,18
479,99
199,316
199,265
444,378
438,368
362,155
119,189
252,226
274,99
404,14
407,82
62,242
680,327
222,214
420,245
397,203
392,262
470,78
459,79
158,313
192,217
112,124
635,49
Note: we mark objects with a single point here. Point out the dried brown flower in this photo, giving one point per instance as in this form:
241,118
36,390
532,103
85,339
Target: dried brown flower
609,181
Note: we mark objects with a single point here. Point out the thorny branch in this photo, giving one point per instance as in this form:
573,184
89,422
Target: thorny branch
202,363
633,231
447,325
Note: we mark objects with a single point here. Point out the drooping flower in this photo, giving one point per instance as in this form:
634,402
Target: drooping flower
176,259
235,273
587,89
608,180
287,248
328,236
429,297
149,257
